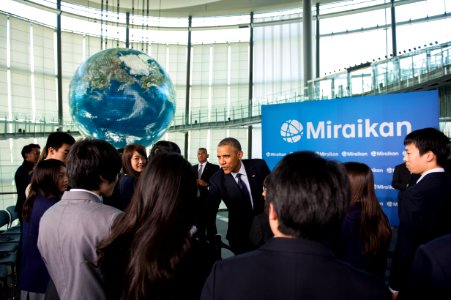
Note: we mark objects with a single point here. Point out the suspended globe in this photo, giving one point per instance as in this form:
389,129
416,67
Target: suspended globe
122,96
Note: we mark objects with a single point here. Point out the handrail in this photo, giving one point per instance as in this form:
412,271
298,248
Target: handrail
401,73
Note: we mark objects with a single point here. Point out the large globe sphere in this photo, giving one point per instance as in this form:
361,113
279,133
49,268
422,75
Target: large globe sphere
122,96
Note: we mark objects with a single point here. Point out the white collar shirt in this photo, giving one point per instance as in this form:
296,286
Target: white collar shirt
434,170
83,190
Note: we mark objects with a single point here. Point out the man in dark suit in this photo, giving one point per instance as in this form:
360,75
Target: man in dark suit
239,184
430,277
307,197
30,154
204,170
426,208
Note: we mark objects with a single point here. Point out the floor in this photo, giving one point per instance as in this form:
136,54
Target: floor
221,225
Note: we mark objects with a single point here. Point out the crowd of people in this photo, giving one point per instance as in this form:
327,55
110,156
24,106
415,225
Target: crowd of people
97,224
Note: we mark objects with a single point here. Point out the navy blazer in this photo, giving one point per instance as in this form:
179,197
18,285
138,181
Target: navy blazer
430,277
223,186
426,215
34,276
291,269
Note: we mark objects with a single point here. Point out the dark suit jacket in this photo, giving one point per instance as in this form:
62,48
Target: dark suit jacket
223,186
430,277
424,217
22,179
201,208
402,179
291,269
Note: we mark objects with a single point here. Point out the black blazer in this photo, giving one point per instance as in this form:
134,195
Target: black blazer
430,277
425,216
209,170
223,186
291,269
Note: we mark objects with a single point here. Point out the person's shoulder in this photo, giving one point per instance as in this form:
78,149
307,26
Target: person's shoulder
109,211
42,201
127,178
49,215
256,165
442,243
434,182
217,175
254,162
436,176
364,281
21,169
239,262
212,165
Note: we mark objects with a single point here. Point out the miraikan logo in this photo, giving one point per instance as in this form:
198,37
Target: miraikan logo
291,131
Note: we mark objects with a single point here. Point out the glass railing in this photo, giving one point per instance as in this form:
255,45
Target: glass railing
405,71
390,75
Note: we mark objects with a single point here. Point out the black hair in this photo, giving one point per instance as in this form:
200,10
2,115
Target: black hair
309,194
233,142
430,139
44,181
147,243
56,140
89,160
28,148
164,147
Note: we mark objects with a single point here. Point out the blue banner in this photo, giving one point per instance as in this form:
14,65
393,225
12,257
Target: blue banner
369,129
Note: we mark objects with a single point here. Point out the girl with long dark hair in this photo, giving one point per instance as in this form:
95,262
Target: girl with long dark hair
48,183
366,231
150,253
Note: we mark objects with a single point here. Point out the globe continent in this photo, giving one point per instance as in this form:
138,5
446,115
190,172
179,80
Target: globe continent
122,96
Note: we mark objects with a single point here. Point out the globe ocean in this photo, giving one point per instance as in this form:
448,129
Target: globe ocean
122,96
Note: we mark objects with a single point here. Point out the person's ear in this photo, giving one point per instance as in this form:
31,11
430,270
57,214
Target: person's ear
240,154
50,151
430,156
272,212
273,220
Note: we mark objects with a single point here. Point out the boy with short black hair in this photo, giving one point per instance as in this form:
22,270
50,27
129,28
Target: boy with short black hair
426,212
71,229
57,146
